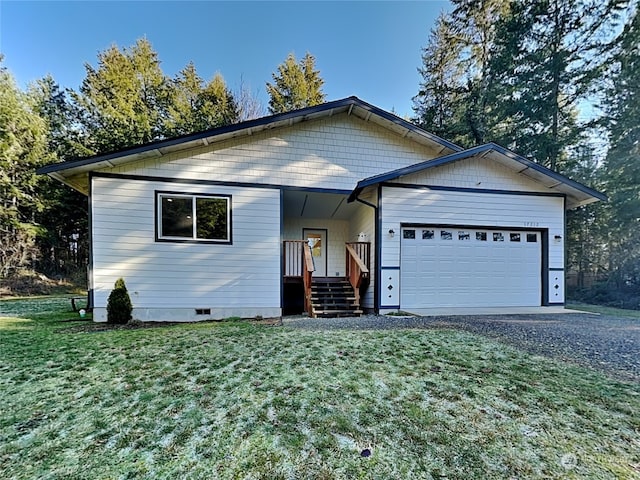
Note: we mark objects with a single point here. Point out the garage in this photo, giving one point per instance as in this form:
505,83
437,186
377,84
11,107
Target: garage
443,266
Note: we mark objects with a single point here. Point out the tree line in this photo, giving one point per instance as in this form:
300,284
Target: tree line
124,100
554,80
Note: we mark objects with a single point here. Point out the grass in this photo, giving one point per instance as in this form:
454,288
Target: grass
235,400
616,312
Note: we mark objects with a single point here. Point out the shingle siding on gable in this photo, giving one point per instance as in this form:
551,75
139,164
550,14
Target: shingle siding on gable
331,153
474,173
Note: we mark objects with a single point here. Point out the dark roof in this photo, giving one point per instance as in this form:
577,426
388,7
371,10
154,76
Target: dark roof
582,193
282,119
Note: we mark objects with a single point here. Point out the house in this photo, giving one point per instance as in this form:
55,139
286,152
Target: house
267,215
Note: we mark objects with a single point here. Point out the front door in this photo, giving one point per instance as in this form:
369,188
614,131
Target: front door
317,238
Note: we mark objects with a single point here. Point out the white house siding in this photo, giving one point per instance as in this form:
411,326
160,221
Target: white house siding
363,221
337,236
426,206
168,281
333,153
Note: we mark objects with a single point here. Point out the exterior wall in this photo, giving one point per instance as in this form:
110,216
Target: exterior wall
168,281
364,220
337,236
422,205
332,153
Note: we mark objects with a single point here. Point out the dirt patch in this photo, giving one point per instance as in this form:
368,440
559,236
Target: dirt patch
26,283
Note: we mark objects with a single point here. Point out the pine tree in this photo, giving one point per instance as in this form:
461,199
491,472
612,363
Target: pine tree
63,241
296,85
436,104
455,96
623,159
195,107
23,148
217,106
123,101
547,56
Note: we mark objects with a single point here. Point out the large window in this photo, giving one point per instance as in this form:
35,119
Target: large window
197,217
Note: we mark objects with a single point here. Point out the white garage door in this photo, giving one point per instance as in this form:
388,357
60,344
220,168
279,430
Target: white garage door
460,267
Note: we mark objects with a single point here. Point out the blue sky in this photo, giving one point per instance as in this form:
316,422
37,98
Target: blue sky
367,49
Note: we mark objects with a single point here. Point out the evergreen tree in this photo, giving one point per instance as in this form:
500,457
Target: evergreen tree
437,103
217,105
623,159
123,101
296,85
455,96
185,90
23,148
548,55
63,220
195,107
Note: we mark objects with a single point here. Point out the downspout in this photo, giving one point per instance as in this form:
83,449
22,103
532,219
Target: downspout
90,287
376,286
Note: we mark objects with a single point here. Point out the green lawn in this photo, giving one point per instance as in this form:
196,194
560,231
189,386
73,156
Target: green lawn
615,312
236,400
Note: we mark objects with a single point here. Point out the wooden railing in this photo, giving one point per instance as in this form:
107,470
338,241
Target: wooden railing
363,249
356,269
293,258
307,276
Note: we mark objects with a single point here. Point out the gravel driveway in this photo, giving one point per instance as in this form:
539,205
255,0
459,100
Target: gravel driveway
607,343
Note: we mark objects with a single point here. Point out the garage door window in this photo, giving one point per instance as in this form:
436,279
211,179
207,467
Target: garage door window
409,234
481,236
514,237
462,235
427,234
532,237
498,237
446,235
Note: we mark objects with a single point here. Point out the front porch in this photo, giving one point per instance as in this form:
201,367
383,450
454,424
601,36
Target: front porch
326,255
338,296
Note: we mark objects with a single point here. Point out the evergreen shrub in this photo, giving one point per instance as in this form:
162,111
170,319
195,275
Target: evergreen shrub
119,304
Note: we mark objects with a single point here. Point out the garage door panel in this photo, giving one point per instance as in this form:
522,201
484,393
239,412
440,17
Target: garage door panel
456,267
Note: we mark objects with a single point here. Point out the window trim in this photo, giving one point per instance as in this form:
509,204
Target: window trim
193,196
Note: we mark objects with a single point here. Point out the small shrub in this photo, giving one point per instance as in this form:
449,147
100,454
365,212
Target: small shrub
119,304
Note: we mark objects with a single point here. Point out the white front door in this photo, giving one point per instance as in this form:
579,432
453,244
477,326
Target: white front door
317,239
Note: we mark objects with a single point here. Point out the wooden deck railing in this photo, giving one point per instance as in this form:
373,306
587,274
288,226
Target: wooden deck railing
363,249
298,265
307,277
356,269
293,258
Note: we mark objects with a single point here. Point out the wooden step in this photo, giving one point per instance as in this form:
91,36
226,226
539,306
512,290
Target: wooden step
338,313
335,306
326,299
333,297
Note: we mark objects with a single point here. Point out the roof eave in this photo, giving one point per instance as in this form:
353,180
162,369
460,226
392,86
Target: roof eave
592,195
161,147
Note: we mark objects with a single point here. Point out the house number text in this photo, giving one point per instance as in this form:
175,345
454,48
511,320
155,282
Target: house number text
531,224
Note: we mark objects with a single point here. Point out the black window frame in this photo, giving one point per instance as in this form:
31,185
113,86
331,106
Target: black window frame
159,194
